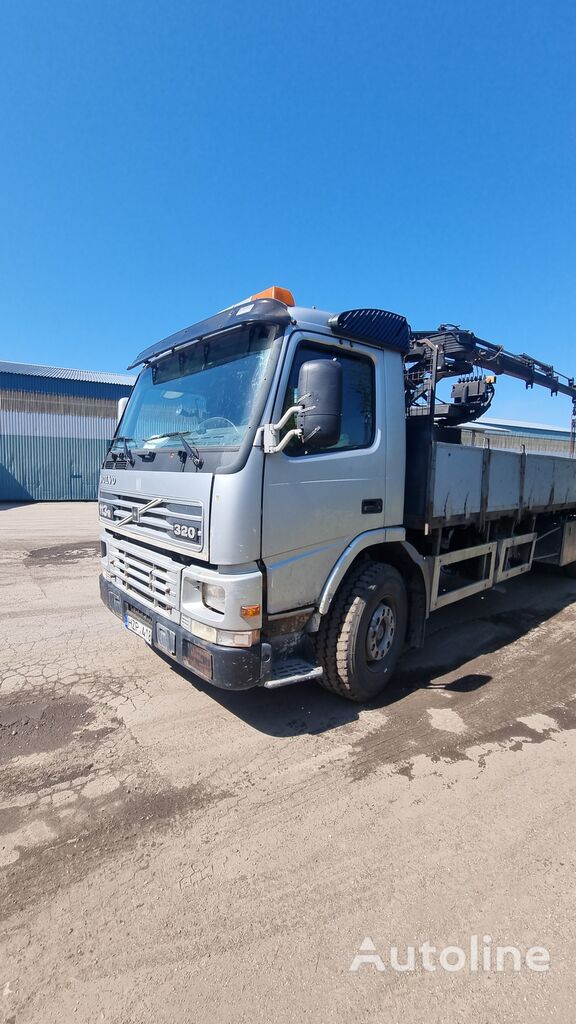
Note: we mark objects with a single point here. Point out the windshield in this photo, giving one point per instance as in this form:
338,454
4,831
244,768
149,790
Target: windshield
203,393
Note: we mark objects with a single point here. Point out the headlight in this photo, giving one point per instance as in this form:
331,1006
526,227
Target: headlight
213,596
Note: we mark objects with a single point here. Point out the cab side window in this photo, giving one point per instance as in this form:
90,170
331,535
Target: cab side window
358,401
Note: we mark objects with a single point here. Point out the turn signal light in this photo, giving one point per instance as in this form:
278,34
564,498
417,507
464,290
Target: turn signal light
249,611
282,294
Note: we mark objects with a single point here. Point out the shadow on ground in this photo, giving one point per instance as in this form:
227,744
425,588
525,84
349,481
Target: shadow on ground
458,635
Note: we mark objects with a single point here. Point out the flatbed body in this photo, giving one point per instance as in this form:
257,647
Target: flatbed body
451,484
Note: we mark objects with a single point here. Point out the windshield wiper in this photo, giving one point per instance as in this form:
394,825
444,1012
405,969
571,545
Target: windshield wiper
126,451
189,449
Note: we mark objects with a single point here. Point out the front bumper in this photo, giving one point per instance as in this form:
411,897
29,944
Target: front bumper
230,668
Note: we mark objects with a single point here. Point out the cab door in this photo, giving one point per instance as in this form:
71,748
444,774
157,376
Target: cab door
315,503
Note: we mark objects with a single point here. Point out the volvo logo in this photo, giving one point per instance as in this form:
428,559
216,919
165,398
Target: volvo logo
136,512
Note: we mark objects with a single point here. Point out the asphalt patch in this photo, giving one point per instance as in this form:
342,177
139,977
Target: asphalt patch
124,820
41,725
62,553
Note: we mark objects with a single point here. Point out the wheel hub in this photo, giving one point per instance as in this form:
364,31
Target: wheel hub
380,632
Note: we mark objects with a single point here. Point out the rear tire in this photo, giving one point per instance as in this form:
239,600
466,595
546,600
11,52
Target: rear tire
362,636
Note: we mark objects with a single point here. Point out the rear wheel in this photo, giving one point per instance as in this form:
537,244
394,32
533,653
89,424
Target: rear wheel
361,638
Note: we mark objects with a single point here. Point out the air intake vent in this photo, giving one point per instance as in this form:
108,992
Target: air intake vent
377,326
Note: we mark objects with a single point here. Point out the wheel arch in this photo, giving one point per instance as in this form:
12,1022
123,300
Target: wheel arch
414,568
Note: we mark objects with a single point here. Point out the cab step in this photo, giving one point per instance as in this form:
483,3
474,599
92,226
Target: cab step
292,670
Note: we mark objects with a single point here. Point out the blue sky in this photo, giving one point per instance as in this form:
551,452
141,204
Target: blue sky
161,160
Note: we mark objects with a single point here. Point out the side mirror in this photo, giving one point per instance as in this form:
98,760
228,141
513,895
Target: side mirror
320,421
122,403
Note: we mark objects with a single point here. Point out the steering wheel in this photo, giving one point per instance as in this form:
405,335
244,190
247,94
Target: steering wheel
219,421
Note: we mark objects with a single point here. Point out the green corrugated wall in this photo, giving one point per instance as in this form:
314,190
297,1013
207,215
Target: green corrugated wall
53,436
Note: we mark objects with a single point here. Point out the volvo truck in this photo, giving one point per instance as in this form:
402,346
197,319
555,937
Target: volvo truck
288,496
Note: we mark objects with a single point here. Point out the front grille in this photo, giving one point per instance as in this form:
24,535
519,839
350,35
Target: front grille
178,521
152,578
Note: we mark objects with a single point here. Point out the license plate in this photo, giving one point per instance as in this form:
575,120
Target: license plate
140,628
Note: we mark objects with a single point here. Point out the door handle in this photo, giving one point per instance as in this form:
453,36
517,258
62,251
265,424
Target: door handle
371,505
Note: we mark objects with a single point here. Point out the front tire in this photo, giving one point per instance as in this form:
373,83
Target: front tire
362,636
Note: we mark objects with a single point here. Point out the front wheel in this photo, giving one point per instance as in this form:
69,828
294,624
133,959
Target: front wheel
362,636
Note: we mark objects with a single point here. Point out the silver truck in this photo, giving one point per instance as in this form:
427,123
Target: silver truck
288,497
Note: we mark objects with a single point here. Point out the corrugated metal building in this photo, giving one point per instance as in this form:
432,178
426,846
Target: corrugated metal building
54,424
533,437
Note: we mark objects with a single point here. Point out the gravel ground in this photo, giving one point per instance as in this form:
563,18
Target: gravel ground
170,853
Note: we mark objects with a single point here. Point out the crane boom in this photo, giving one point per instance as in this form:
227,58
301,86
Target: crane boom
451,351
